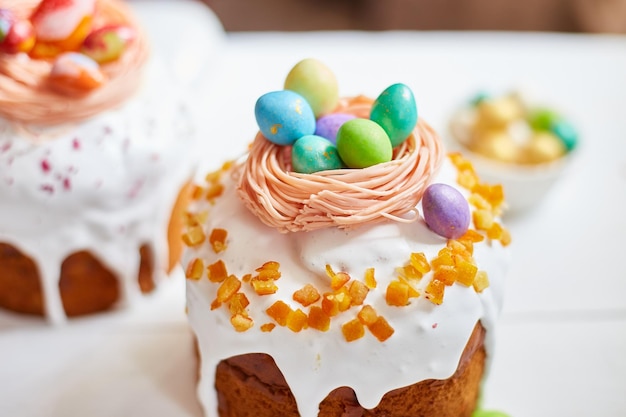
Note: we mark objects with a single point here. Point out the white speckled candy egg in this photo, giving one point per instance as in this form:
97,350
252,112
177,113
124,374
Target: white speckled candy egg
284,116
315,82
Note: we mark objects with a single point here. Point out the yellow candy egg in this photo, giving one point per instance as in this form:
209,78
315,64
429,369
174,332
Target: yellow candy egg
497,113
543,147
496,144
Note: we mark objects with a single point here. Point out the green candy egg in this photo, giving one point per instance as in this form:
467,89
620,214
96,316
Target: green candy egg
489,413
362,143
565,131
313,153
542,119
395,110
316,83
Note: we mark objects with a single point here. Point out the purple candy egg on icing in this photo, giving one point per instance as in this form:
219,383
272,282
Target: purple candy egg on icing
327,126
446,211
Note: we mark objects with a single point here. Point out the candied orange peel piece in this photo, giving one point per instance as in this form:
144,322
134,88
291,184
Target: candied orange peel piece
264,287
370,278
318,319
397,293
297,320
228,288
217,271
353,330
267,327
307,295
194,236
241,322
194,270
279,311
238,303
217,239
358,292
381,329
367,315
435,291
481,281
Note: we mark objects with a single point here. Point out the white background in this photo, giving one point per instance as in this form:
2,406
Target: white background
561,347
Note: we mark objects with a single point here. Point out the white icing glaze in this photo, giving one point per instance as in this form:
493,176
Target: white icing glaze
106,185
428,339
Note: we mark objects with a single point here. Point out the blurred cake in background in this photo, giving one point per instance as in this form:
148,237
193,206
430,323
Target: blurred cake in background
95,155
521,145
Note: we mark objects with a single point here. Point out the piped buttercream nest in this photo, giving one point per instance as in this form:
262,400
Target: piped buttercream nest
26,96
344,198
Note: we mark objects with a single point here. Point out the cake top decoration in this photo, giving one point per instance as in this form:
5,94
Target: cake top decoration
336,162
65,61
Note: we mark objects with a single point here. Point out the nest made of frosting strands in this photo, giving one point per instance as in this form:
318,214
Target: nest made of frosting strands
26,97
344,198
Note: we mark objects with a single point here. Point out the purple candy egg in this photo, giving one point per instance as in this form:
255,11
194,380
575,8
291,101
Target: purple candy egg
446,211
327,126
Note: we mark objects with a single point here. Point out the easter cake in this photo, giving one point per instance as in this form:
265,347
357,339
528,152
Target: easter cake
94,164
346,265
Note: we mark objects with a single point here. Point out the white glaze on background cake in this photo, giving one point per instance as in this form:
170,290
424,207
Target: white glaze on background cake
106,185
428,339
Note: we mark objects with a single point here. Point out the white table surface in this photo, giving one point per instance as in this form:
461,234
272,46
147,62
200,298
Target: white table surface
561,346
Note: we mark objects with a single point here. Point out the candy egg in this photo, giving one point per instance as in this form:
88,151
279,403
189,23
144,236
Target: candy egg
544,147
395,110
75,74
107,43
316,83
61,26
362,143
542,119
284,116
496,144
565,131
446,211
327,126
313,153
498,112
15,35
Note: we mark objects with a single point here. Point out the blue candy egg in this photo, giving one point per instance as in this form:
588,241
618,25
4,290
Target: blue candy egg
565,131
446,211
313,153
327,126
284,116
396,112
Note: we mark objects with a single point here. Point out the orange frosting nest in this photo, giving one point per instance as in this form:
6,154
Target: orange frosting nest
26,97
291,202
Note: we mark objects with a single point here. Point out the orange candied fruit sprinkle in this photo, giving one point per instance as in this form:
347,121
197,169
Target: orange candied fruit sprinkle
217,271
483,219
435,290
443,258
241,322
381,329
409,272
213,176
397,293
269,266
228,288
505,239
279,312
330,304
464,249
267,327
343,298
460,162
214,191
195,268
353,330
466,271
306,295
264,287
197,192
472,236
339,280
217,239
467,179
318,319
446,273
479,202
196,219
419,262
367,315
370,279
238,303
481,281
194,236
297,320
358,292
495,231
494,194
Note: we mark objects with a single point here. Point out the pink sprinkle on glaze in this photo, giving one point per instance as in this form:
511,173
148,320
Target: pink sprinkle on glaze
67,185
76,144
45,166
48,188
5,147
435,325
